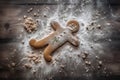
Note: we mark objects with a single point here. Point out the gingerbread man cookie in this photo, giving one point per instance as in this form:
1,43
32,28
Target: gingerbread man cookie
57,38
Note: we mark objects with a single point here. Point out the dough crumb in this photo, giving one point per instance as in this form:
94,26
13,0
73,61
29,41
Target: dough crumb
30,25
13,64
34,58
28,66
29,10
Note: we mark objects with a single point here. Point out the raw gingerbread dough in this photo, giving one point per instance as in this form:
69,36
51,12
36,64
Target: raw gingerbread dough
57,38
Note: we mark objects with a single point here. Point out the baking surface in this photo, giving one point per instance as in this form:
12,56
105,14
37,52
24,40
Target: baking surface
98,37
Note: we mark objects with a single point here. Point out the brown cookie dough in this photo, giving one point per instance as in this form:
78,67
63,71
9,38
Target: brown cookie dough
57,38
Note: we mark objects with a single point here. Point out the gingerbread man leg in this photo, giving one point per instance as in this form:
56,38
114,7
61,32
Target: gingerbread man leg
47,53
37,44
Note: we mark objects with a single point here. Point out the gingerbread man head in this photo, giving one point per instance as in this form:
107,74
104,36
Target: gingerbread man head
73,25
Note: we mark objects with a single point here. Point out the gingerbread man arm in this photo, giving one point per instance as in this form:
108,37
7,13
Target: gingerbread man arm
47,53
73,40
56,26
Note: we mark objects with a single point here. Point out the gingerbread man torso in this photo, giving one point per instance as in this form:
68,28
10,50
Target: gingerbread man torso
60,38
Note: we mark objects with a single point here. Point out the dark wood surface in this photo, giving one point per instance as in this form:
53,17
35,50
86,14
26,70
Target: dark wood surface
9,39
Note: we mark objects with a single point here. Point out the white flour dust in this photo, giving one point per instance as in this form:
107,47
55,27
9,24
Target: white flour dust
67,56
